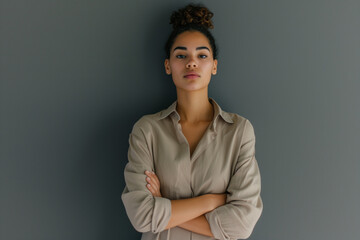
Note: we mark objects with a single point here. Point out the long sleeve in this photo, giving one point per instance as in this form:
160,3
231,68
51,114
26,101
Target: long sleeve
237,218
146,213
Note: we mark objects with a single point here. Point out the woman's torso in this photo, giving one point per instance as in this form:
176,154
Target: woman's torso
192,162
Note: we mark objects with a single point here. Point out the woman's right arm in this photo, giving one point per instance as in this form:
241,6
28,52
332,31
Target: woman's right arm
188,213
146,213
184,210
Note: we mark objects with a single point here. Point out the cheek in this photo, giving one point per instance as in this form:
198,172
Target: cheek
175,66
208,66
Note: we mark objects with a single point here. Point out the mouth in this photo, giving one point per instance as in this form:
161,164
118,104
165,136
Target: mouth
192,75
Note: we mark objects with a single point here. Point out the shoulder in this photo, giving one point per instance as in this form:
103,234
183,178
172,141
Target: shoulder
147,122
238,120
241,124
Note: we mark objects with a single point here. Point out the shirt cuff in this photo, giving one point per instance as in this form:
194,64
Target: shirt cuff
161,214
215,225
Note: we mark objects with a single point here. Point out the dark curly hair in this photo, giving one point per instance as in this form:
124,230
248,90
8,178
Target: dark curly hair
191,18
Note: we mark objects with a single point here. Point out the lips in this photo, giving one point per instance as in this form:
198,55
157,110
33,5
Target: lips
192,75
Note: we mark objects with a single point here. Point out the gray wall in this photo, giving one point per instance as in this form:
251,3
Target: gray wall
76,75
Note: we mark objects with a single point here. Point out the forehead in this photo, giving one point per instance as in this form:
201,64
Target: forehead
191,39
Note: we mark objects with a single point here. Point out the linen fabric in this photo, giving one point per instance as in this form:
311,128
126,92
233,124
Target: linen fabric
222,162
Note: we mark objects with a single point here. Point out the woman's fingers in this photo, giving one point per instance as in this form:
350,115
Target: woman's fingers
153,183
150,189
155,179
151,180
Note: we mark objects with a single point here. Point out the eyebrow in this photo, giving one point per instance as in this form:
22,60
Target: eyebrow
198,48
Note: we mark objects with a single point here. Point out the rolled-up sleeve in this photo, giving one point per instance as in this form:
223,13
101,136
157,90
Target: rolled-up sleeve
237,218
146,213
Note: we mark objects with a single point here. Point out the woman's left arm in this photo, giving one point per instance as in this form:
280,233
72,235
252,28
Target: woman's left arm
198,225
237,218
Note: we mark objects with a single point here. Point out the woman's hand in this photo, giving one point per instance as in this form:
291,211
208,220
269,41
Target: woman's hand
153,183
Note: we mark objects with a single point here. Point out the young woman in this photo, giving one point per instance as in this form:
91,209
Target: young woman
192,172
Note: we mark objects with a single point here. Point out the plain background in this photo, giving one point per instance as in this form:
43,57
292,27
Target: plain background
76,75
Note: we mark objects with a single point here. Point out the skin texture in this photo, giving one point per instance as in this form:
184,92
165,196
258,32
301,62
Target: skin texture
191,53
182,61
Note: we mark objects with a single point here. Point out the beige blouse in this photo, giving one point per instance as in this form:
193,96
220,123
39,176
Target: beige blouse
223,162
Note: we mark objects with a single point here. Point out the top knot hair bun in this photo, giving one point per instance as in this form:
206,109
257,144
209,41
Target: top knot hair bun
191,18
192,15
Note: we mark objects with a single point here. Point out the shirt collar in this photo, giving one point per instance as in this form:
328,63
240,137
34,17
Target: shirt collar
217,111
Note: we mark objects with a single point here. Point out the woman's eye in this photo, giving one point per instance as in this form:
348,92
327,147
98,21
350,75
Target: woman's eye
203,56
180,56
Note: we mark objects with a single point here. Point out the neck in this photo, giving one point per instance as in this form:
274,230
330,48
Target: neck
194,107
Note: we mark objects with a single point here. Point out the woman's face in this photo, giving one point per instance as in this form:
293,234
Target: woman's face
191,61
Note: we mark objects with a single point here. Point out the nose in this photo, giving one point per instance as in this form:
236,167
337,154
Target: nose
191,63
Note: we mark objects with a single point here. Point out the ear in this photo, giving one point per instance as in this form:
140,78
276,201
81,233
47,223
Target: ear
214,69
167,66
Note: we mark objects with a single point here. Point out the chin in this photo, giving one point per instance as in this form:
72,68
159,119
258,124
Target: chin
191,88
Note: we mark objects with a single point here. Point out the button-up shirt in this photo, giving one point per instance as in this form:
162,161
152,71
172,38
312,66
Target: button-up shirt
222,162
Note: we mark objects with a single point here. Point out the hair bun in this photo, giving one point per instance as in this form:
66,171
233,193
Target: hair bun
192,14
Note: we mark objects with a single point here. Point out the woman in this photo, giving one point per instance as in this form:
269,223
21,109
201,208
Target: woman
192,172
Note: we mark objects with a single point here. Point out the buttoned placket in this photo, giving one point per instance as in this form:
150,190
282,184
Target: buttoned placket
205,140
208,136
